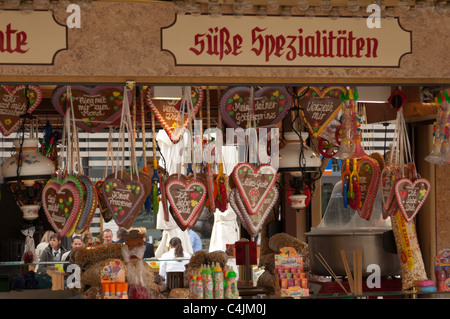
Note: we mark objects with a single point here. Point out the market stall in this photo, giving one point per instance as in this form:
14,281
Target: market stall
244,148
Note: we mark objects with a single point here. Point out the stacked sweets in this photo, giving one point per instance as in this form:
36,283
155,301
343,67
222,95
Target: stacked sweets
291,280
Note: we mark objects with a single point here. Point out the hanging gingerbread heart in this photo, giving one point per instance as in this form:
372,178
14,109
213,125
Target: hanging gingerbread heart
90,205
187,199
319,107
14,103
167,112
369,181
253,222
61,202
254,184
94,108
124,199
104,211
389,177
270,106
411,195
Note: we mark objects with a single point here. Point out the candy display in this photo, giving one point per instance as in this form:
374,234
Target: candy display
442,269
291,279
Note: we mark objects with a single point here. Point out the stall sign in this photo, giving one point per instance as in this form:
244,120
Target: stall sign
276,41
33,38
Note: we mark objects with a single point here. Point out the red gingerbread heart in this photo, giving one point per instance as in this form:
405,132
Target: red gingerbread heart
369,181
319,107
254,184
14,103
167,112
411,195
186,210
253,222
61,202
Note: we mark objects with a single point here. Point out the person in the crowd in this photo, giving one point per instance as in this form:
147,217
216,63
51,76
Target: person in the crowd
43,243
121,233
107,236
196,242
53,252
76,243
169,263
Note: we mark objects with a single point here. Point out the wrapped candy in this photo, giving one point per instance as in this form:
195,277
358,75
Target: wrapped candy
28,254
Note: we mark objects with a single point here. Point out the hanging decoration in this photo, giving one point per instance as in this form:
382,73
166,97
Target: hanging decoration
15,101
125,193
269,106
167,112
104,211
63,195
186,193
441,144
94,108
319,107
254,194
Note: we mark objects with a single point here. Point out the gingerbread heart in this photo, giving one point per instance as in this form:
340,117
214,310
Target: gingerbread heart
389,177
253,222
167,112
61,202
104,211
254,184
319,107
90,205
270,106
94,108
14,103
124,199
411,195
186,199
369,181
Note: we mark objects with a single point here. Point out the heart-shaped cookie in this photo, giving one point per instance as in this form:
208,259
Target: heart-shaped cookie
253,222
319,107
411,195
186,199
13,104
124,199
270,105
369,182
389,177
94,108
167,112
61,202
90,205
254,184
104,211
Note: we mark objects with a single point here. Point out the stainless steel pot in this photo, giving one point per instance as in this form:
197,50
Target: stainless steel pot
377,246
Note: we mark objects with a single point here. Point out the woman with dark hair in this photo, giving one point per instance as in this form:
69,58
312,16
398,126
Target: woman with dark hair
172,265
53,252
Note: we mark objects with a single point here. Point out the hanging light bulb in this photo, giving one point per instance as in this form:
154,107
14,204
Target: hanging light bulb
303,5
334,14
326,5
26,7
353,5
261,12
389,13
238,8
441,8
286,12
12,3
404,5
41,4
214,9
428,6
310,13
273,4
